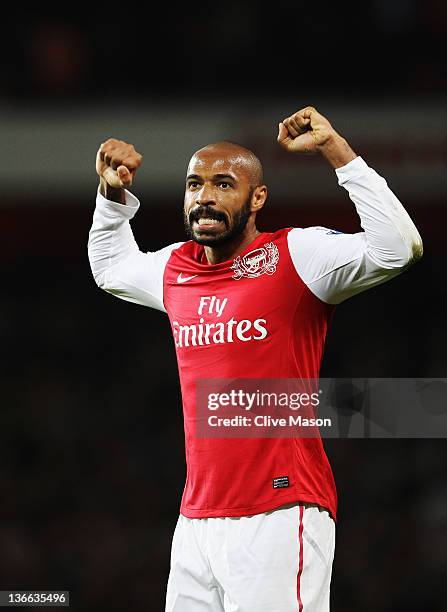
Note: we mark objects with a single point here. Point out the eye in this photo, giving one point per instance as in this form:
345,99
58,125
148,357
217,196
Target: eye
192,185
224,185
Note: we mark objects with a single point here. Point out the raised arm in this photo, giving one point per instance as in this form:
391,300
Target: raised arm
117,264
334,265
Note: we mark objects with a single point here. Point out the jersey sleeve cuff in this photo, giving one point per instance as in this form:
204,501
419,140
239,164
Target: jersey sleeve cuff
351,171
114,209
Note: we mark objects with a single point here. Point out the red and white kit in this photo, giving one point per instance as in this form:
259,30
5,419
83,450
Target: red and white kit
264,314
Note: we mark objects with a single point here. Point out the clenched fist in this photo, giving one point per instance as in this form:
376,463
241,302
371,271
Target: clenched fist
116,163
306,131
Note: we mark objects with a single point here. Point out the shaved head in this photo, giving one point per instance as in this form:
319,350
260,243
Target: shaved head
238,155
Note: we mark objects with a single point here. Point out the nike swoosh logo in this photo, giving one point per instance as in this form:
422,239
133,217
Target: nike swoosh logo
184,279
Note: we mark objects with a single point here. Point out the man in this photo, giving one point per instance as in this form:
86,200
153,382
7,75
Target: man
256,525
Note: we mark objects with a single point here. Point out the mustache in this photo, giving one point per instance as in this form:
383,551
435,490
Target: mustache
208,212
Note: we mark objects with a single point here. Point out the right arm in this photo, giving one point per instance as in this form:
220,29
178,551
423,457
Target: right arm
117,264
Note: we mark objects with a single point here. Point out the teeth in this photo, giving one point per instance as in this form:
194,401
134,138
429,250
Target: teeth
203,221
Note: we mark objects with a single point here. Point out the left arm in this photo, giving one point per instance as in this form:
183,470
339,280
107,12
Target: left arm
336,266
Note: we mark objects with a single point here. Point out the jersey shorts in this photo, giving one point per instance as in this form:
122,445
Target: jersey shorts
277,561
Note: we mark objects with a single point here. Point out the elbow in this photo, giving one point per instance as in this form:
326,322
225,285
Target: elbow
100,280
400,254
98,267
417,248
99,276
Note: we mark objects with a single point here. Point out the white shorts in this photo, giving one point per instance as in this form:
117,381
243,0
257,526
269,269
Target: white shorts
278,561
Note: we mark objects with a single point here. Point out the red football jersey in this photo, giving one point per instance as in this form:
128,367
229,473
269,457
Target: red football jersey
282,336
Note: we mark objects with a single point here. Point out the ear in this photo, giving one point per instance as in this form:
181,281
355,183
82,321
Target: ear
258,198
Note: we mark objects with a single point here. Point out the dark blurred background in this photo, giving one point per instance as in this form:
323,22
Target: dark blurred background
92,453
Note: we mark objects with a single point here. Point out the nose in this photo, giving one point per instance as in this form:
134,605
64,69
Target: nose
205,196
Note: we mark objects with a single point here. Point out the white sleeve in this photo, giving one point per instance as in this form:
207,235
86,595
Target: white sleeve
336,266
117,264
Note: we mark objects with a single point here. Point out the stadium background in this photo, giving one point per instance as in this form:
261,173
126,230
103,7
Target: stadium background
92,457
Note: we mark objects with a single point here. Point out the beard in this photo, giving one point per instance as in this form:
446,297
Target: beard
231,231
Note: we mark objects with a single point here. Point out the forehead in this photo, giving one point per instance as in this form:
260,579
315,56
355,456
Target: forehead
218,161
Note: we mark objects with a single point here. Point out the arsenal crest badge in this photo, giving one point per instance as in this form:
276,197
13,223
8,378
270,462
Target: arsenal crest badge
257,262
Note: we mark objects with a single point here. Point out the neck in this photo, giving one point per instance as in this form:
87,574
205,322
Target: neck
230,250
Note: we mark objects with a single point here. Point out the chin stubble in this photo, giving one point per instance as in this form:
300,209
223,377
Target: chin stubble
238,226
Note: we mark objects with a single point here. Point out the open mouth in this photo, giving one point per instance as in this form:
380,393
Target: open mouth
207,224
207,221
